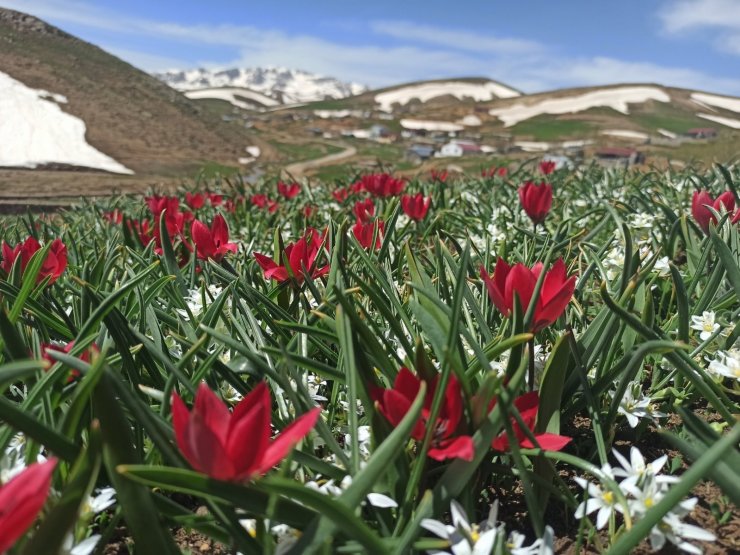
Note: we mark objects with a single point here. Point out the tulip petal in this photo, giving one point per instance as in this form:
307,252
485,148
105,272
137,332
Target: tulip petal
249,437
460,447
548,442
21,500
202,238
288,438
219,231
521,281
394,407
496,295
209,453
556,305
452,409
407,384
180,423
213,411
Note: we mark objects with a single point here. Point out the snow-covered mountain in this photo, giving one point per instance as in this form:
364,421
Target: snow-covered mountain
287,86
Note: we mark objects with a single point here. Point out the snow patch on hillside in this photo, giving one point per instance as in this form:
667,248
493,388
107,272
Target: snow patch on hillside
339,114
618,98
427,125
230,95
533,146
626,134
729,122
726,102
286,86
480,92
471,120
34,131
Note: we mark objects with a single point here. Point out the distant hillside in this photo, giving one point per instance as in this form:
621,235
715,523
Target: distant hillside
623,112
285,86
129,116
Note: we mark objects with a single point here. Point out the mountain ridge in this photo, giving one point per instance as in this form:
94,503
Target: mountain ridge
129,115
288,86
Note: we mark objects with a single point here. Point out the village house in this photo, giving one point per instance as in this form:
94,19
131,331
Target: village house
455,149
702,133
617,157
418,153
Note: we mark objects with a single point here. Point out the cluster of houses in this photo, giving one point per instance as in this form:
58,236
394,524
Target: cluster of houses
426,139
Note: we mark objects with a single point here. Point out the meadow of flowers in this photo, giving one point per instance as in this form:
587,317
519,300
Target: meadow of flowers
528,361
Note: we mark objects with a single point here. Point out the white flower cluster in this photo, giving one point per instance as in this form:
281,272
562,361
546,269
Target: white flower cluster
705,324
642,487
726,365
464,538
198,299
635,405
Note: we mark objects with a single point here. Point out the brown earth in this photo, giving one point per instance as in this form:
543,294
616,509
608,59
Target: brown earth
130,116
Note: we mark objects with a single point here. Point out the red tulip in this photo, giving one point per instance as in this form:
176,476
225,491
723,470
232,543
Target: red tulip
555,294
21,500
299,257
212,243
536,200
174,219
84,356
440,176
380,185
416,207
364,233
309,210
231,204
261,201
394,403
702,200
289,191
158,204
341,194
364,210
53,266
114,216
528,405
234,446
547,167
143,230
494,171
215,200
195,200
23,250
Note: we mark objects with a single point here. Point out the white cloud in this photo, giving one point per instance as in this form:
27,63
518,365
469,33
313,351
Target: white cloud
423,51
686,15
720,16
453,38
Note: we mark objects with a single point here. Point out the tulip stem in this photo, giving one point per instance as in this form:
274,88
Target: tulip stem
531,364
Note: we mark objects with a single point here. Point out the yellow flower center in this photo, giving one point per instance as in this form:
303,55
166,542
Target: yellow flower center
608,497
649,502
475,534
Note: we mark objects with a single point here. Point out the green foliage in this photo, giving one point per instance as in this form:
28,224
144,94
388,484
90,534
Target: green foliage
163,321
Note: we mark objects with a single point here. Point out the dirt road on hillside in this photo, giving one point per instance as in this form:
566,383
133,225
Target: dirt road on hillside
297,169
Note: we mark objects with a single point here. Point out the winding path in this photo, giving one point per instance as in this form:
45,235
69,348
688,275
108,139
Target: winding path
297,169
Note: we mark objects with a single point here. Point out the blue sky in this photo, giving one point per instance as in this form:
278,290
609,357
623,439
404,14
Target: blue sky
532,45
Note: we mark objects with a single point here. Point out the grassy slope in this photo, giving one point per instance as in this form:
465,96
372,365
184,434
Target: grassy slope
131,116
